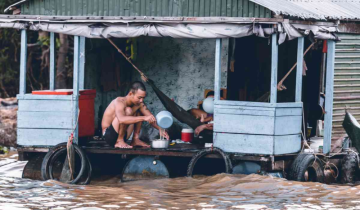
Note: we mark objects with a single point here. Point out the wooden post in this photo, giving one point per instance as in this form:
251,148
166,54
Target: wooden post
76,86
52,61
23,61
329,95
217,84
274,68
82,64
299,69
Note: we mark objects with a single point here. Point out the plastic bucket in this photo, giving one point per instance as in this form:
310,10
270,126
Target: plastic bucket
187,134
164,119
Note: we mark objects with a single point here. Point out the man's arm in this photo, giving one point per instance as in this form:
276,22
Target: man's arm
200,128
123,119
146,112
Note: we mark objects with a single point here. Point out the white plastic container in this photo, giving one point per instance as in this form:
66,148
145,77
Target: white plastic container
164,119
208,105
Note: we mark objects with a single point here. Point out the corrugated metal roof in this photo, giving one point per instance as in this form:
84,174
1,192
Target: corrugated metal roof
314,9
156,8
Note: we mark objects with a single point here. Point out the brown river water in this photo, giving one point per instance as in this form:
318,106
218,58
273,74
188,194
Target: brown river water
221,191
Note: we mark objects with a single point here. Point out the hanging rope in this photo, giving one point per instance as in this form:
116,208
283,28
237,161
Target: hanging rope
280,85
69,144
143,76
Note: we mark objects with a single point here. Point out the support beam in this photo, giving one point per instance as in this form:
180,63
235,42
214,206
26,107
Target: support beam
76,86
329,95
52,61
23,61
217,84
274,68
299,69
82,64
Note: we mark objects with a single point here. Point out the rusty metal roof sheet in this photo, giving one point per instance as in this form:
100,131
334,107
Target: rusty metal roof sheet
314,9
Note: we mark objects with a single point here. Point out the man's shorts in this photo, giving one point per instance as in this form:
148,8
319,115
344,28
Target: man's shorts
111,136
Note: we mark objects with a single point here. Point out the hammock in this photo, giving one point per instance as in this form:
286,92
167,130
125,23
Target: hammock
177,111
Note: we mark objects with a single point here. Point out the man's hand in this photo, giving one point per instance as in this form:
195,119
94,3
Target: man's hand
164,134
150,119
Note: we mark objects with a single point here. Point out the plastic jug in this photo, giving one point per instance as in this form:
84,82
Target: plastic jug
164,119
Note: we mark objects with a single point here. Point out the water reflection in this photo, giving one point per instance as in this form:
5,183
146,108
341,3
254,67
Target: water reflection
216,192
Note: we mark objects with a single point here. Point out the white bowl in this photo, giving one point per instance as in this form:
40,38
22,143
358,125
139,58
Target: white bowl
159,144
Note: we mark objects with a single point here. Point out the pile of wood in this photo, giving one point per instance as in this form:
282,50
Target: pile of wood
8,121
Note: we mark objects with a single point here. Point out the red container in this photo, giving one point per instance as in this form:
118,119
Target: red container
187,135
86,106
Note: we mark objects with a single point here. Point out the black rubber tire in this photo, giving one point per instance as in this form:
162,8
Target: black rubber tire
89,173
202,153
306,163
46,160
82,156
349,168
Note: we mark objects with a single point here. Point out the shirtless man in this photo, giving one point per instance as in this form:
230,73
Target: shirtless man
125,115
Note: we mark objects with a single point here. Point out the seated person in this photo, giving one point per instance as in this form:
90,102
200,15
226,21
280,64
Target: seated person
125,115
200,113
204,117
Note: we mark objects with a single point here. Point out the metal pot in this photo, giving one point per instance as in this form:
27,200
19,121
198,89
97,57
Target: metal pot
160,144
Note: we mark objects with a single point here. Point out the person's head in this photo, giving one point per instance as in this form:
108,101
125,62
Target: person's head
211,94
137,92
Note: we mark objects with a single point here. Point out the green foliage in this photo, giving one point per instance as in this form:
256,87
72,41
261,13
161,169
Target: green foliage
9,51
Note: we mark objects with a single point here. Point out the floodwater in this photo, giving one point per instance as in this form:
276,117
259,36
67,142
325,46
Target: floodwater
216,192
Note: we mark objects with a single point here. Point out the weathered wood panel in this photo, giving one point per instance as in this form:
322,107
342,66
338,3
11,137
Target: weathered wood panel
287,144
217,79
299,69
243,143
44,120
23,61
274,68
258,120
240,111
45,137
329,95
52,62
257,144
44,97
288,112
44,106
257,104
244,124
286,125
267,111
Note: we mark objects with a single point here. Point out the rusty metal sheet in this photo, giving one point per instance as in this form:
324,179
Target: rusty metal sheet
346,81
